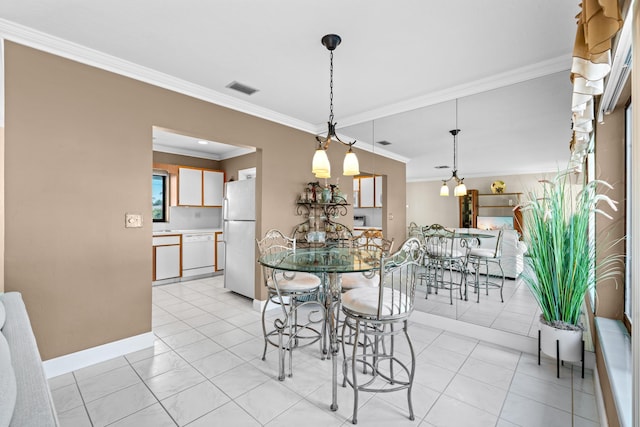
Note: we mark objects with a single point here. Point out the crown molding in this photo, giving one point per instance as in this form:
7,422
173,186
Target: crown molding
519,75
38,40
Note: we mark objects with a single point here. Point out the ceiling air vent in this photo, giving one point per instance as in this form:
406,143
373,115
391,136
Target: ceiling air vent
247,90
442,167
383,142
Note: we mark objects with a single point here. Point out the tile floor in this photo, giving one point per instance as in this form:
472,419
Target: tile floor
518,314
205,370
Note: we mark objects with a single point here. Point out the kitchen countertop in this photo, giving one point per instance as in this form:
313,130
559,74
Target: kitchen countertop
194,231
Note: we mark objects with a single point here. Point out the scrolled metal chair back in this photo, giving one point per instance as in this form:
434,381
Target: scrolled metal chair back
438,241
274,241
374,242
398,276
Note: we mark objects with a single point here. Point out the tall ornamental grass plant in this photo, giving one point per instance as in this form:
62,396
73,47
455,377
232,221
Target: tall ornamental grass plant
561,262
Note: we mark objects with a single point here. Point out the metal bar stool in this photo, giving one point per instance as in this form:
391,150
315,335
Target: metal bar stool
383,313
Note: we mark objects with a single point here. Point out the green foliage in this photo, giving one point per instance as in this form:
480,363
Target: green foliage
561,262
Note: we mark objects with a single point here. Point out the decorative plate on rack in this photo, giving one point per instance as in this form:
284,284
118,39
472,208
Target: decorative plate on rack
498,187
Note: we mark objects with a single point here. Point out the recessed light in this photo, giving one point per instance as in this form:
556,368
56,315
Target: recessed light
201,142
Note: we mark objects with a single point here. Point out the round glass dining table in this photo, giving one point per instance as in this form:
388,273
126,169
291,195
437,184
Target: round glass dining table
329,263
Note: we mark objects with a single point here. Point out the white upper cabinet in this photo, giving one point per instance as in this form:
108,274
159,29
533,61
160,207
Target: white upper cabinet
378,189
200,187
213,188
366,192
189,187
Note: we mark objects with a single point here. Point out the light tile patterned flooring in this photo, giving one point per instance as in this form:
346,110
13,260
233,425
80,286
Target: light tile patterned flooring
518,314
205,370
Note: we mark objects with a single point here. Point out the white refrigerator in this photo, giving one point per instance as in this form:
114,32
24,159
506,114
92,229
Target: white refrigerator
239,227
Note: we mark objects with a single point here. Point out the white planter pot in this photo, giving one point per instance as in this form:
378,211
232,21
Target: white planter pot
570,342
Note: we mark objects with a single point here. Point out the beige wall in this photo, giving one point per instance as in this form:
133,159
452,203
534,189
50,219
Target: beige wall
426,206
235,164
78,147
610,166
1,208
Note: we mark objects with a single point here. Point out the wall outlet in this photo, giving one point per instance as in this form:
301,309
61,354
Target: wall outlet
132,220
390,216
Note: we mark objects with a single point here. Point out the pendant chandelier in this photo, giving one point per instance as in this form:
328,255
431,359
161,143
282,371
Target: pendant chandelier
320,164
460,189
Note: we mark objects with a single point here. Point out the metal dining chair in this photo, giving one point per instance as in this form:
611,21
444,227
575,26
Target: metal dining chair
373,242
443,260
382,313
291,291
481,257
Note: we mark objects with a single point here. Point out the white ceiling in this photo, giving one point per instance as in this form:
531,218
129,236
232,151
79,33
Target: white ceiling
400,63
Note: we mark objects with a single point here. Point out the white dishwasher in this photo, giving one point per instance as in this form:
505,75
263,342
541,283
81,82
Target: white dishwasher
198,254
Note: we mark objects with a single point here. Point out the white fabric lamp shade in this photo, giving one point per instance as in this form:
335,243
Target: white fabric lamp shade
323,174
320,163
460,190
350,166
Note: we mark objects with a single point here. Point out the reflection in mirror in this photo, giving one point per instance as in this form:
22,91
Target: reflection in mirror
502,139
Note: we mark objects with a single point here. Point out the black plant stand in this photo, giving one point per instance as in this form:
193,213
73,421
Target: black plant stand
558,361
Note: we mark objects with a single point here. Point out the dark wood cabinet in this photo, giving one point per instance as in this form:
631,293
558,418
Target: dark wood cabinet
468,207
476,204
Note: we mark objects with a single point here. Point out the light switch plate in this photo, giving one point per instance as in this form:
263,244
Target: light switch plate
132,220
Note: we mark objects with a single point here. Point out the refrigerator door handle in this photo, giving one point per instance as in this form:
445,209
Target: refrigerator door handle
225,209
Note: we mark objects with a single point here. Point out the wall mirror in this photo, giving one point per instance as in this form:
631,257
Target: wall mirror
518,133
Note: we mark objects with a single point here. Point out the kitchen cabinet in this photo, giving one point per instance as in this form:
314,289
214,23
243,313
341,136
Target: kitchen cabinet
367,192
356,192
219,251
378,191
200,187
213,191
189,187
367,195
167,255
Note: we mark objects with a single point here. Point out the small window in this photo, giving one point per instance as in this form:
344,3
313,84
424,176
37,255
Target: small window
159,197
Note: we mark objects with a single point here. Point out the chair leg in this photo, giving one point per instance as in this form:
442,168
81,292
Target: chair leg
413,370
280,327
502,284
354,419
264,329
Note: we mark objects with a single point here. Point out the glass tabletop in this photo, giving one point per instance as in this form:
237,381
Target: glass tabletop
473,235
322,260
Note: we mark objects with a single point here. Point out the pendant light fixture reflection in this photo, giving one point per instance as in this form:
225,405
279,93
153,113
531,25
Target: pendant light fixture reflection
460,189
320,164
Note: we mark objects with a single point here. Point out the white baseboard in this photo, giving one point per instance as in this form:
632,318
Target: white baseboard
258,305
506,339
91,356
494,336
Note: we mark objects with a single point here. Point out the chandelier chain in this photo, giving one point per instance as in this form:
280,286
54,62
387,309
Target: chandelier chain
331,89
